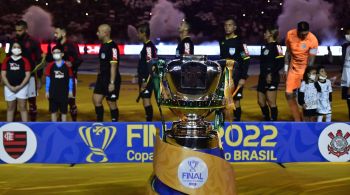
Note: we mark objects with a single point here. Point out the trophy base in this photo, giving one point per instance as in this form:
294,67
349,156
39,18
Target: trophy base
159,187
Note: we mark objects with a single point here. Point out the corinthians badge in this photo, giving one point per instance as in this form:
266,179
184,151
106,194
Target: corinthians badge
94,135
339,145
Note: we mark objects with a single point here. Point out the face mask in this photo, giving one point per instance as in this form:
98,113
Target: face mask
16,51
57,56
347,37
312,77
20,36
322,77
58,40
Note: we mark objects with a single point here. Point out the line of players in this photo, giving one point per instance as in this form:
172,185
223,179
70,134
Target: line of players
64,59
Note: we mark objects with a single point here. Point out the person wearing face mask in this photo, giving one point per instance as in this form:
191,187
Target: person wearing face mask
345,78
271,62
324,89
15,73
59,84
185,46
31,50
301,52
72,58
307,94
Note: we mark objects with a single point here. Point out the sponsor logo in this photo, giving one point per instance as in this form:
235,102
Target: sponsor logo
59,74
103,55
97,138
193,172
14,66
17,143
334,144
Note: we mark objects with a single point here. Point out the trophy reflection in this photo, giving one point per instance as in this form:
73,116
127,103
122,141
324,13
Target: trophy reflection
189,158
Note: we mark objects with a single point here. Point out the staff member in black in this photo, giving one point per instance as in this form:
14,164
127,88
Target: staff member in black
108,79
32,51
185,46
231,47
72,58
271,62
148,52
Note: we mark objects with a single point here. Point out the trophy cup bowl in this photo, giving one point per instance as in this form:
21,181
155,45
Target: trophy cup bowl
192,82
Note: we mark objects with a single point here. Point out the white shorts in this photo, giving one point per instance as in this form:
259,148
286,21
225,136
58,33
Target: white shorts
32,87
21,94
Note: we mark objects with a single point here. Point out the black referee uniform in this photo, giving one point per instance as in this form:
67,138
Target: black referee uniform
144,71
233,48
271,62
185,47
108,53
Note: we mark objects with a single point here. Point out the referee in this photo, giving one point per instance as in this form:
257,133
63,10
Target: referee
148,52
231,47
108,79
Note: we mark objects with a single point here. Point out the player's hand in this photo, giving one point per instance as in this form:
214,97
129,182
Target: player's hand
111,87
70,95
12,88
69,64
47,95
268,78
241,82
17,88
304,106
284,75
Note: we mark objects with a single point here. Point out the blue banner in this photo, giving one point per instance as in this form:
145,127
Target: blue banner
134,141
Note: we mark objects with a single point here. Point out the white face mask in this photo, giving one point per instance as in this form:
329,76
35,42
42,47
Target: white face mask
16,51
57,56
312,77
347,37
322,77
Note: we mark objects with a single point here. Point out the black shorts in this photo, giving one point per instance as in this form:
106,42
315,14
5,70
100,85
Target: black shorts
55,106
101,87
147,93
344,93
263,86
310,112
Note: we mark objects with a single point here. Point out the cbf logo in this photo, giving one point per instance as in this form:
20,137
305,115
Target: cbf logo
17,143
192,172
334,142
98,138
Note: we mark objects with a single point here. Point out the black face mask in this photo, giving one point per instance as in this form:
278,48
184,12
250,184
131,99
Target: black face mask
58,40
20,37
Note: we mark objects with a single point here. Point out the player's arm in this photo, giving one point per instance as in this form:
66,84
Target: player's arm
27,73
278,60
114,66
3,73
245,63
48,79
75,57
312,52
287,58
